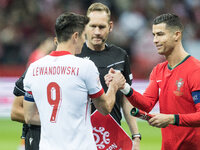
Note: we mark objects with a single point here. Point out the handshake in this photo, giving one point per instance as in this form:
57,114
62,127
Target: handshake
116,77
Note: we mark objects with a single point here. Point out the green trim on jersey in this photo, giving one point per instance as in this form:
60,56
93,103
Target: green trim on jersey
170,68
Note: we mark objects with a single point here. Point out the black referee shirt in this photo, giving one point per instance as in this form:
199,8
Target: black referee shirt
111,57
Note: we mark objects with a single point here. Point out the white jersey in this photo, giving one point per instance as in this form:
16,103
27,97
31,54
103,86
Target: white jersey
60,84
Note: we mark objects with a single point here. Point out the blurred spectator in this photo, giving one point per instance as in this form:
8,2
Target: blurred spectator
44,48
25,23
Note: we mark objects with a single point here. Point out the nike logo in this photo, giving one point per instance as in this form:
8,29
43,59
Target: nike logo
87,57
30,140
158,81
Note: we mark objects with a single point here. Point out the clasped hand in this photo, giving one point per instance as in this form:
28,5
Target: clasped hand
116,78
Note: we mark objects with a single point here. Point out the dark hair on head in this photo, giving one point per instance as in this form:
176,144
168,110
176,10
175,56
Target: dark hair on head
171,20
69,23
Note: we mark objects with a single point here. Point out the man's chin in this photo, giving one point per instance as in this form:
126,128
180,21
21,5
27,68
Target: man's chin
98,43
161,53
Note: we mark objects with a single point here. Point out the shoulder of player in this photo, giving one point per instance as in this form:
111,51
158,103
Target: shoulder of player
85,64
83,60
193,65
160,66
194,62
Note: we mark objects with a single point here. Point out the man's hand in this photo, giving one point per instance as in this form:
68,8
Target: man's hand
115,77
161,120
108,77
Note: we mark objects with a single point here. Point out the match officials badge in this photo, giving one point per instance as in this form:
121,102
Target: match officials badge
108,134
179,84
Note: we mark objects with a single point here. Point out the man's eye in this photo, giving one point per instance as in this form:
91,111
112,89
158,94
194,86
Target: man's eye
101,27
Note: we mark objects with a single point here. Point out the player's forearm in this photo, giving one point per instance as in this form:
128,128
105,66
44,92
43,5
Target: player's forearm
31,114
105,102
17,111
188,120
110,97
131,121
138,100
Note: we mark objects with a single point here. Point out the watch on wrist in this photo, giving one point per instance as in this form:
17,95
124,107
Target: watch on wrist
136,136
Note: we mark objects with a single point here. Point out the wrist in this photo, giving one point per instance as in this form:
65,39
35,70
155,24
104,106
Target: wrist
176,120
171,119
136,136
126,89
114,86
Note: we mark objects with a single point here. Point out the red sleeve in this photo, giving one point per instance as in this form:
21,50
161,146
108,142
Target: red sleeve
192,119
148,100
194,80
96,95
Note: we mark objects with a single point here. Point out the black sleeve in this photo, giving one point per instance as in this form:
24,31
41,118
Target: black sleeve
127,71
19,86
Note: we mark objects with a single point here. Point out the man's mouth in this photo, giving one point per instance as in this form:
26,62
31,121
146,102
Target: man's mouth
158,46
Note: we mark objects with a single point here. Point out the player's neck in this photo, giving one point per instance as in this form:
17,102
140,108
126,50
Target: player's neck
66,46
177,55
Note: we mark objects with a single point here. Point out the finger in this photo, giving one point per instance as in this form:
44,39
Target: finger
111,70
107,76
107,83
151,120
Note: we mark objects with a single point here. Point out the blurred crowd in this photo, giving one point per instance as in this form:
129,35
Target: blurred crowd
25,23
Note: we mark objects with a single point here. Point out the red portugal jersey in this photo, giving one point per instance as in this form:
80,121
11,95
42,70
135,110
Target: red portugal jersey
173,88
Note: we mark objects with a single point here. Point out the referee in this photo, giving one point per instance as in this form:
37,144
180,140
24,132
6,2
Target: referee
108,56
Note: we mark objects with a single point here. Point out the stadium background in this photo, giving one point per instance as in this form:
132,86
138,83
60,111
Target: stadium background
23,24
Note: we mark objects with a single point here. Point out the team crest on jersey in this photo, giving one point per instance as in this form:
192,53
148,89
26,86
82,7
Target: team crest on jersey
179,84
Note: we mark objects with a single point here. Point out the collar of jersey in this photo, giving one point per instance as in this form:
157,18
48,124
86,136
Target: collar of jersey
171,68
85,45
59,53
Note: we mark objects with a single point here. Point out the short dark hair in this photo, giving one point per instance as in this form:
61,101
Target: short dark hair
171,20
69,23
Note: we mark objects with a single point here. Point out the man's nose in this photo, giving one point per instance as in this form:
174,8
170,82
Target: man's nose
155,39
97,30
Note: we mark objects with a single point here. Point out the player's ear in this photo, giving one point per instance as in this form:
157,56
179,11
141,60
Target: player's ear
110,26
75,36
178,35
55,41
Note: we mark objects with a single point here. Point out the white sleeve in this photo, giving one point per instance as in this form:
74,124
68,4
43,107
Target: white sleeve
93,83
27,79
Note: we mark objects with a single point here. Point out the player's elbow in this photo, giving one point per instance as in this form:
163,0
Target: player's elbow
105,111
13,115
17,115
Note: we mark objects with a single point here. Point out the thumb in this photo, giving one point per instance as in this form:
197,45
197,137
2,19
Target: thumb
111,70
